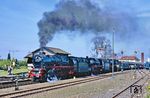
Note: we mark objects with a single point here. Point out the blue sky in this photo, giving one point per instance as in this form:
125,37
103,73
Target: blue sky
18,27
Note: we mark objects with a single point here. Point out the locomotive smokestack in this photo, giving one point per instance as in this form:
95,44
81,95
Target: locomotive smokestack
83,16
142,57
87,57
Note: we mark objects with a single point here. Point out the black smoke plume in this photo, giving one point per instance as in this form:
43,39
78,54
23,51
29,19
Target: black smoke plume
84,16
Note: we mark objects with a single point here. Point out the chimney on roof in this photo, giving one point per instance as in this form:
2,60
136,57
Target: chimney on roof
142,57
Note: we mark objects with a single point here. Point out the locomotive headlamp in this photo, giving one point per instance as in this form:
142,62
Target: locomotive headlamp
37,58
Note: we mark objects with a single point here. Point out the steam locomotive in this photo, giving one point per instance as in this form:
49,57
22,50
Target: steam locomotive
60,66
63,66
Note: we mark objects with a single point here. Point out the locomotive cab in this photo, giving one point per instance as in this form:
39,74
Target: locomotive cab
95,65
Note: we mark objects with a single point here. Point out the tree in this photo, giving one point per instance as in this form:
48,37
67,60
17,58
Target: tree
101,45
8,57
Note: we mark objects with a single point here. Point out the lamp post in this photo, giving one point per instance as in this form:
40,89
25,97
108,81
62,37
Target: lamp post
135,52
113,52
122,52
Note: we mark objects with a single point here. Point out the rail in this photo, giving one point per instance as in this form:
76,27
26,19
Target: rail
118,94
27,92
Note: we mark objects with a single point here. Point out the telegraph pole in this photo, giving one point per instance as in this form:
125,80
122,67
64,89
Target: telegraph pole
13,53
135,75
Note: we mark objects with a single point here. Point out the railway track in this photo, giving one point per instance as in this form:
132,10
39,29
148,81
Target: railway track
8,84
138,83
22,93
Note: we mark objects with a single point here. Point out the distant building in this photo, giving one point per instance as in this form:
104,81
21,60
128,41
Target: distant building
47,51
142,57
130,59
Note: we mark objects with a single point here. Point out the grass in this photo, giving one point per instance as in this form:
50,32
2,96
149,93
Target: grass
15,71
148,96
148,90
3,73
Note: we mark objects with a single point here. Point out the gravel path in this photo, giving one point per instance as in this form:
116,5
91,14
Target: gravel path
104,88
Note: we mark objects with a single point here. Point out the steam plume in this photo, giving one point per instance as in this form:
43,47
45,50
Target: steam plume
83,16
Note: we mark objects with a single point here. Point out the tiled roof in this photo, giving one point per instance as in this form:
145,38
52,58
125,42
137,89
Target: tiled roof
57,50
49,49
28,56
129,58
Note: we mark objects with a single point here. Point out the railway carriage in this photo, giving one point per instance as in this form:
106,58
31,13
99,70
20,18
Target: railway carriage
125,65
139,65
132,65
147,65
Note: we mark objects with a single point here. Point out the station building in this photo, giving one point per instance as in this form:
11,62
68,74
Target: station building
47,51
129,59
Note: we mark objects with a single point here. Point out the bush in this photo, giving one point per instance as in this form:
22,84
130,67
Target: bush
22,63
4,64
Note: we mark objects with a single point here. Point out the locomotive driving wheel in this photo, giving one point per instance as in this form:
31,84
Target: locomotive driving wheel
51,76
33,79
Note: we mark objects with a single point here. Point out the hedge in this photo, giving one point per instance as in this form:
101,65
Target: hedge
5,63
